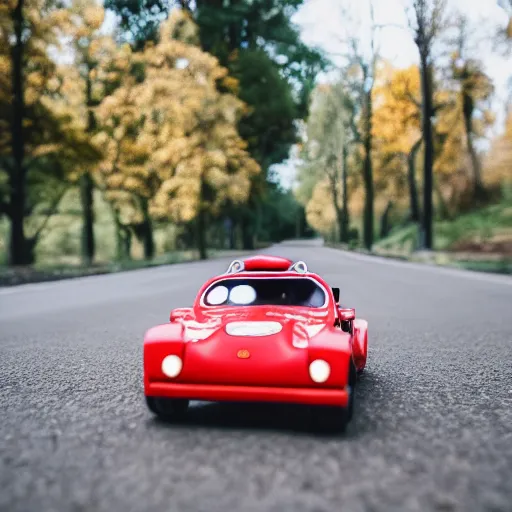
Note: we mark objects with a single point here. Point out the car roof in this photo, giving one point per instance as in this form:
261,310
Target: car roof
266,263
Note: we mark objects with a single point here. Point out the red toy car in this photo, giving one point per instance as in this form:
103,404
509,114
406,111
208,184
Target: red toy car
267,330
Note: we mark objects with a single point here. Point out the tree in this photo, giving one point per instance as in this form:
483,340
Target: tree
328,145
426,23
262,49
475,88
268,128
499,159
397,128
139,19
91,51
320,213
329,153
258,44
361,56
44,138
170,135
124,173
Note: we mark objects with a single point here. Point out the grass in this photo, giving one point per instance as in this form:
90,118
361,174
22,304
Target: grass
480,241
489,228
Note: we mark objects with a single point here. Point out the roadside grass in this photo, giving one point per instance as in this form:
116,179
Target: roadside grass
58,250
490,228
480,240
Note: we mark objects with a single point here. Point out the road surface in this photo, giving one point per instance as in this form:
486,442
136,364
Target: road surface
432,429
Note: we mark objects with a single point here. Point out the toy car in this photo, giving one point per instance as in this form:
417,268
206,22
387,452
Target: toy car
267,330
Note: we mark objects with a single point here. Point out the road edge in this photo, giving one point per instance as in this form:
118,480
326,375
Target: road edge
433,259
47,276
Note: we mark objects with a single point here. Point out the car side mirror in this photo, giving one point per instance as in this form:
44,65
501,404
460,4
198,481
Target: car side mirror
336,293
179,313
347,314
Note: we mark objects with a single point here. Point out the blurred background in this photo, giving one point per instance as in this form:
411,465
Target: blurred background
138,132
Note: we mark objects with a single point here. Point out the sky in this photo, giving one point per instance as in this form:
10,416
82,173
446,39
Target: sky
322,22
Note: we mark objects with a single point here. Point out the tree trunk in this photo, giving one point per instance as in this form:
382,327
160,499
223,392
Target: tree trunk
232,235
344,189
87,186
426,237
201,234
147,232
247,236
86,195
479,191
17,178
335,203
368,174
411,178
384,221
123,238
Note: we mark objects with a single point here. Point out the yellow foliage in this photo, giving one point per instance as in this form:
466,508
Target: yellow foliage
396,118
52,122
94,16
320,213
498,164
171,139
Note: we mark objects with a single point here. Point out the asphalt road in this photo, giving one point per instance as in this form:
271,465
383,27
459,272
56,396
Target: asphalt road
432,429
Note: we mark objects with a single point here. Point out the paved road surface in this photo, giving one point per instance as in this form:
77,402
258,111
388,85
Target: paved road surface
433,428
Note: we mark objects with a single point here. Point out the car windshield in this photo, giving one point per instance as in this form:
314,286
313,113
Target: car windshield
303,292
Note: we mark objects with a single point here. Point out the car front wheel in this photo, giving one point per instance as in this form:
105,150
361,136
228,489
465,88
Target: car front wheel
168,409
336,419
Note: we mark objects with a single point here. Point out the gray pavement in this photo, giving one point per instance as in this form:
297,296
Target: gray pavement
432,428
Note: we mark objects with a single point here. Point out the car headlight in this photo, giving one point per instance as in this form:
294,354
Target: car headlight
171,366
319,370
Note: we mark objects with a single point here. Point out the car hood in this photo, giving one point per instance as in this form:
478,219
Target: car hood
298,328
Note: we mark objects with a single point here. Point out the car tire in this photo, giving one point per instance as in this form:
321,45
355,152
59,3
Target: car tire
335,420
168,409
329,420
352,380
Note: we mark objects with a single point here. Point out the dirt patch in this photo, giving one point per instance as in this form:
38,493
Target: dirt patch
503,247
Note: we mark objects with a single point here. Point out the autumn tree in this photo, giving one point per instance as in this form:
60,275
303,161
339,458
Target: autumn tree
91,50
397,128
173,148
41,137
261,48
498,161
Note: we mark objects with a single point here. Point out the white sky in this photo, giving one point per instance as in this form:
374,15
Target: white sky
322,23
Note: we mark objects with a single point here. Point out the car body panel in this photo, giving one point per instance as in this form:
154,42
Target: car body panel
228,393
256,352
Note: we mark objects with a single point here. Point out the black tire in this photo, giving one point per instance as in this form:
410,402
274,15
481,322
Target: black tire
352,381
335,420
329,420
168,409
